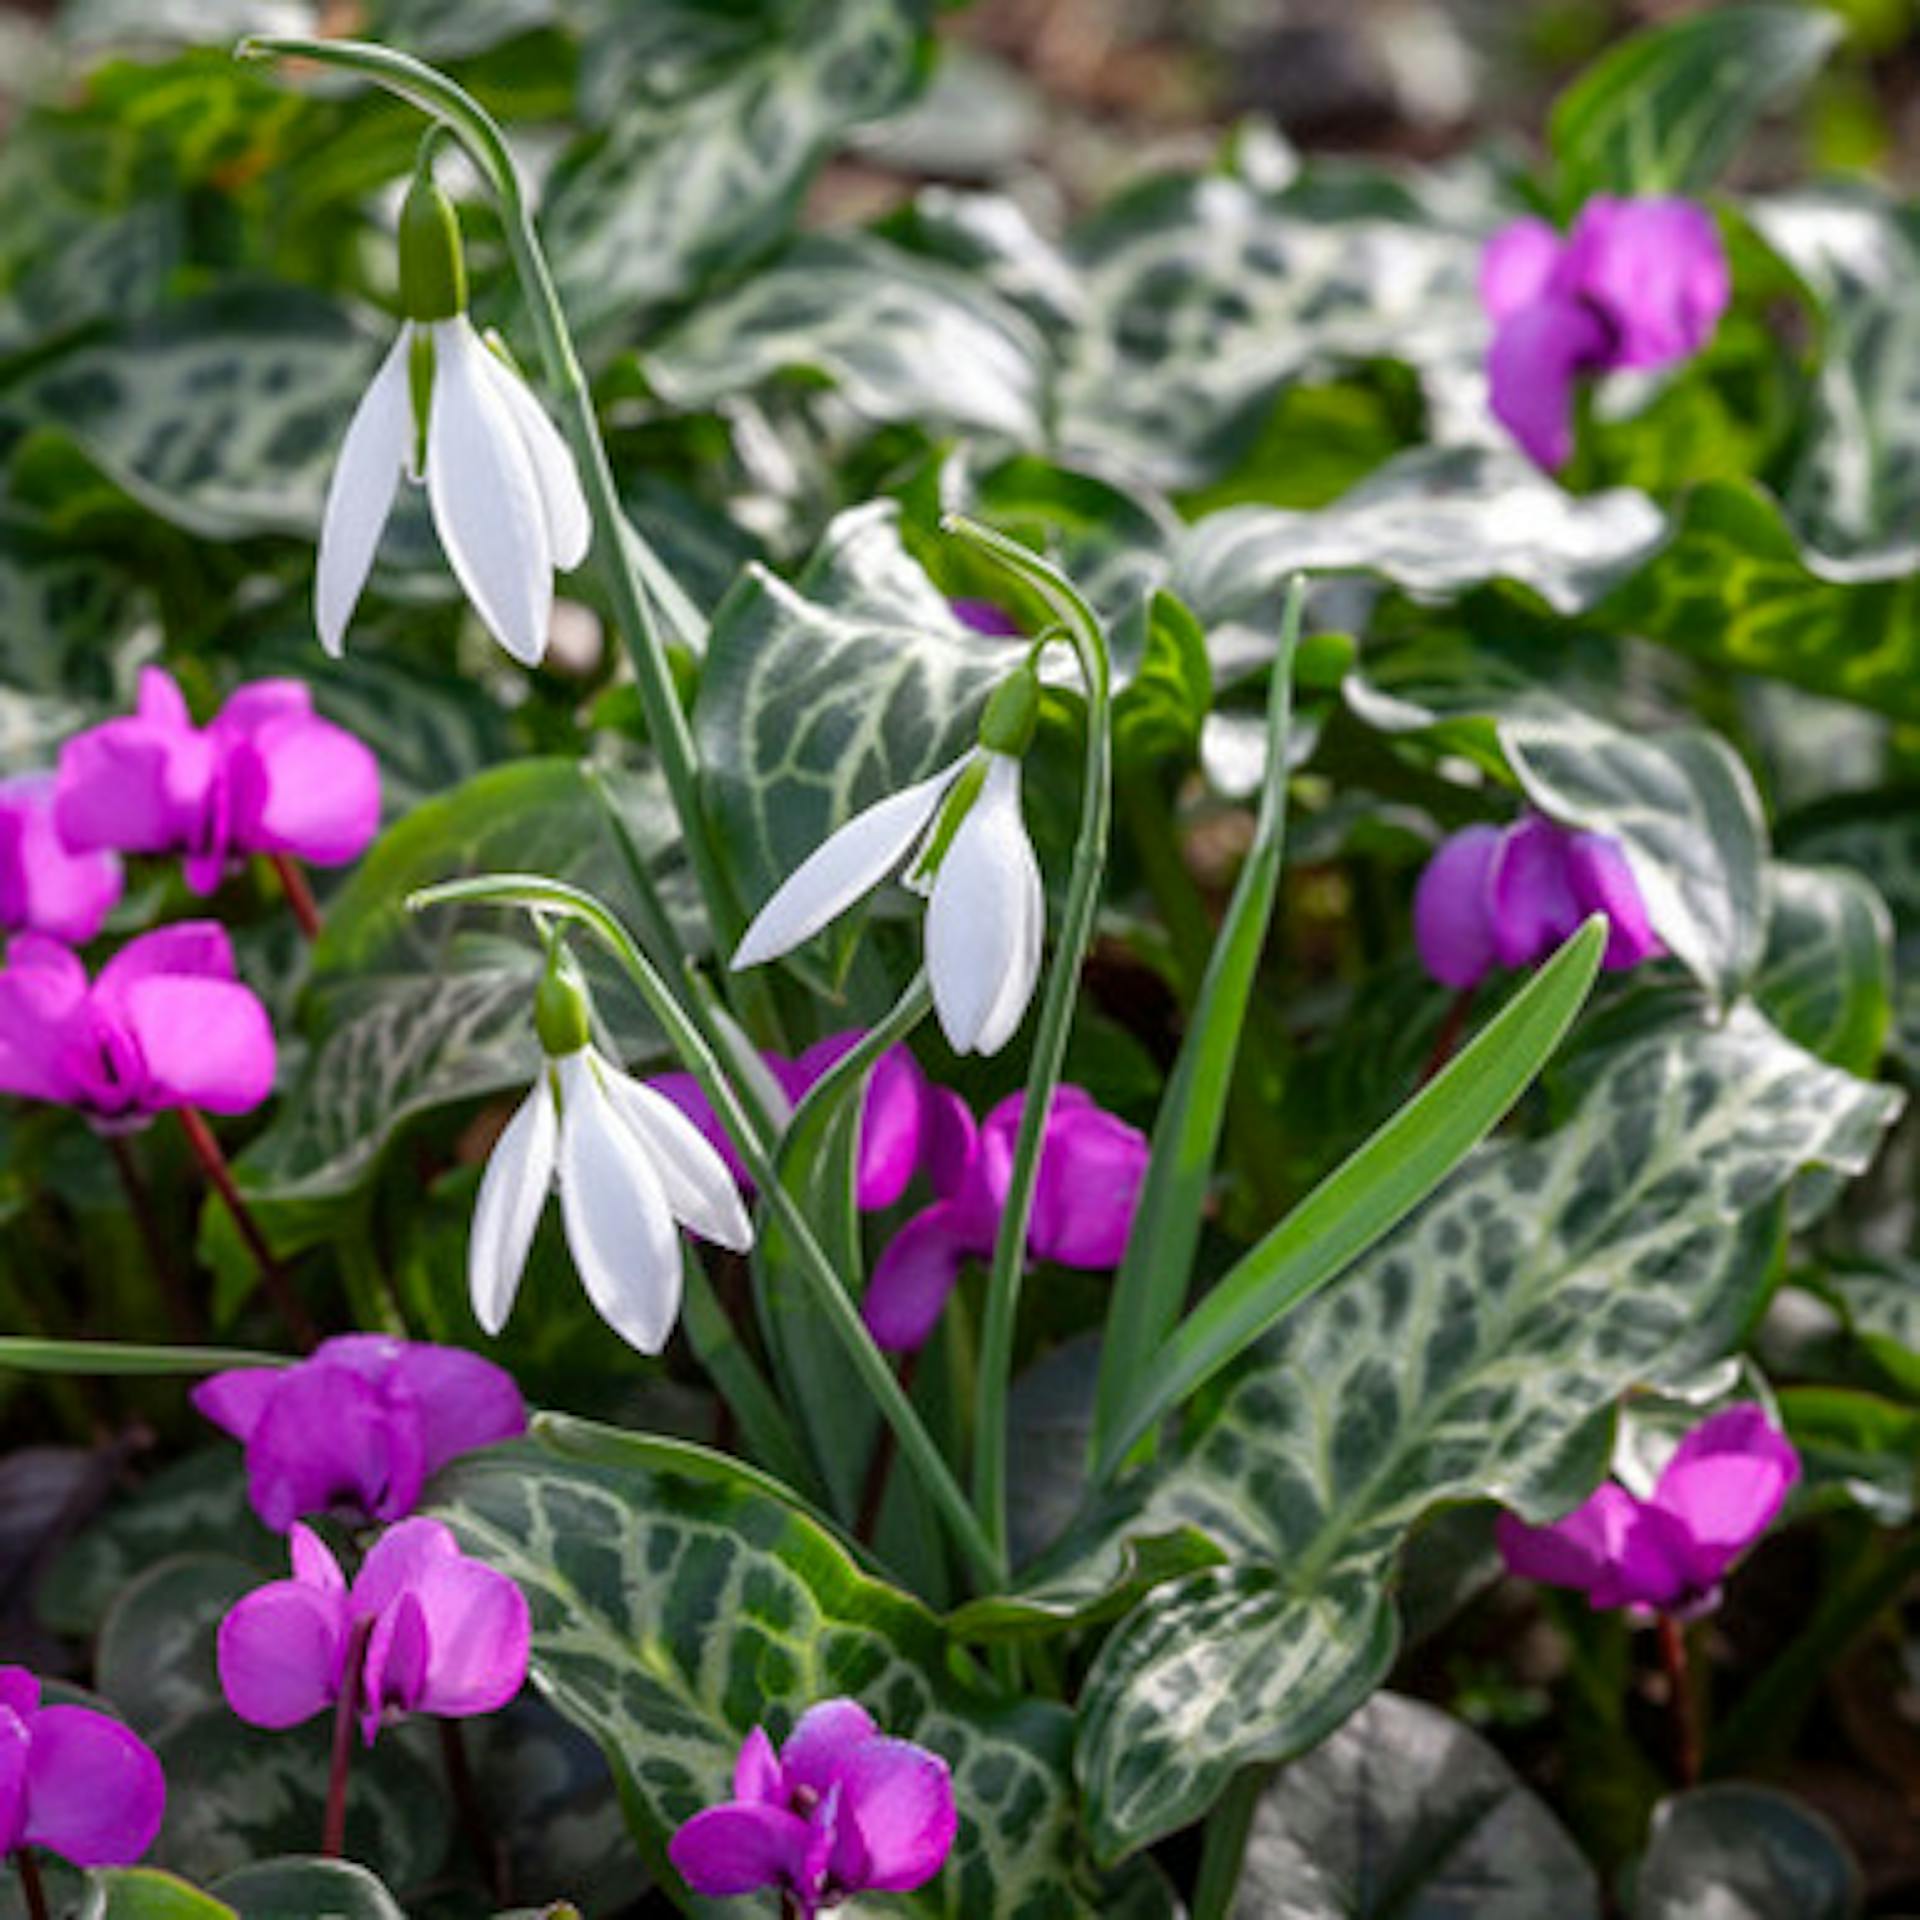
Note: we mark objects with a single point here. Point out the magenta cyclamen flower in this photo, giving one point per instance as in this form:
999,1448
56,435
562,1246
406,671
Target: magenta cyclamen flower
45,887
74,1781
265,776
359,1425
1721,1490
166,1024
1091,1167
986,616
891,1122
422,1629
839,1810
1637,283
1494,896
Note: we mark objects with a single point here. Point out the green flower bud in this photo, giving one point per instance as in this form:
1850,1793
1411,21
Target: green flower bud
433,269
562,1009
1012,713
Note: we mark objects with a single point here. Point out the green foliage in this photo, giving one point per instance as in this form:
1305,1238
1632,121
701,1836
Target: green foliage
1749,1852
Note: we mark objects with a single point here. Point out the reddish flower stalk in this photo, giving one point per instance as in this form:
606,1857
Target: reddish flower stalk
300,900
333,1833
279,1289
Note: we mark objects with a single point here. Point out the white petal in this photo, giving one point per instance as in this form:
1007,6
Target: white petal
985,919
486,501
619,1226
698,1187
850,862
569,525
514,1189
365,478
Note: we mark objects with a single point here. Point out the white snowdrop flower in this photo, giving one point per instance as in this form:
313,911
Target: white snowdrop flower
630,1168
446,410
962,840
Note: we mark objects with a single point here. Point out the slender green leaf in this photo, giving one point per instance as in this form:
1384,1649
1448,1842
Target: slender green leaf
26,1355
1152,1285
1369,1193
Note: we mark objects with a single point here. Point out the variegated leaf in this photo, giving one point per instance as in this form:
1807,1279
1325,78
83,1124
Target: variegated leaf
679,1601
1476,1354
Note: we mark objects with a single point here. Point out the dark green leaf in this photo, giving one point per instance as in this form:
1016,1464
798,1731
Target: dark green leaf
307,1889
1405,1814
1826,979
1740,1852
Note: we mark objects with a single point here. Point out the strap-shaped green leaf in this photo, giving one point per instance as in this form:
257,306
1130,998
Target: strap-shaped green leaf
1154,1277
1369,1193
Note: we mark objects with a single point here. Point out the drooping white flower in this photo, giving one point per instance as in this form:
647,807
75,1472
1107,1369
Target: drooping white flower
962,840
631,1169
448,411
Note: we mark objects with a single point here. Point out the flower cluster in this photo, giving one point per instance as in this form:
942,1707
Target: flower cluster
421,1629
839,1810
1669,1552
1636,283
1494,896
359,1426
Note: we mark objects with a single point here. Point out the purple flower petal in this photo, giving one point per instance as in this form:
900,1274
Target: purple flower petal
400,1559
1656,269
1452,926
1537,355
479,1631
14,1745
1518,266
305,787
891,1121
19,1693
464,1401
1529,893
133,786
951,1141
186,950
332,1441
394,1672
280,1652
983,616
915,1274
1725,1486
898,1798
1603,882
1573,1551
1651,1567
206,1043
1092,1165
756,1774
95,1792
737,1849
237,1401
43,996
44,885
823,1740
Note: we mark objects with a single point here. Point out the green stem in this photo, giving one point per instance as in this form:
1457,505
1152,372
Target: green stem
1223,1844
619,551
1056,1020
539,894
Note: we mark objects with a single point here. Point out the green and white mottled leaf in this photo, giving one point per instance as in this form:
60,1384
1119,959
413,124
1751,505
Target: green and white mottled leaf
1406,1814
196,1505
1826,979
62,613
715,119
1734,588
1684,809
678,1602
826,695
1436,522
1208,296
222,415
1475,1354
155,1660
1854,490
306,1889
237,1793
896,336
1739,1852
1665,111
